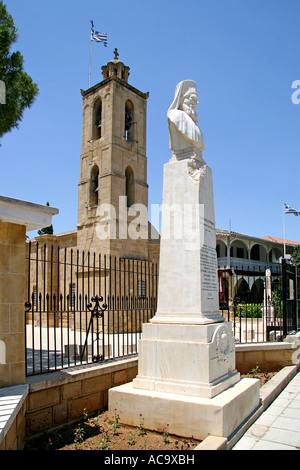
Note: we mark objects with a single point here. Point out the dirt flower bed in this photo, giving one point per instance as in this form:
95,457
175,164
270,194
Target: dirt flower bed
101,433
262,376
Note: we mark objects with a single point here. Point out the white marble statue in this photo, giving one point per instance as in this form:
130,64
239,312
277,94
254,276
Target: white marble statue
185,135
186,367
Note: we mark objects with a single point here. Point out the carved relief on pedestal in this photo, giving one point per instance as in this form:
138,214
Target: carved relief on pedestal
224,343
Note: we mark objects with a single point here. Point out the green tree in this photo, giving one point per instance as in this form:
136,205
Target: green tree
46,230
296,255
20,90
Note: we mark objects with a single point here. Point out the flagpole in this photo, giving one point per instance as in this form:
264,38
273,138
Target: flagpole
90,63
284,229
91,43
99,37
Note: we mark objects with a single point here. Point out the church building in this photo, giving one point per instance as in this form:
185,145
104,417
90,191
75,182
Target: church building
113,172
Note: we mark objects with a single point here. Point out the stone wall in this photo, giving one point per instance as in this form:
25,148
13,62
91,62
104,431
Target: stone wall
13,417
14,439
12,294
61,397
266,356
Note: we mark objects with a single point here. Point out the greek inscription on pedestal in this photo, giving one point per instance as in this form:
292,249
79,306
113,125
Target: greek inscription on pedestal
209,269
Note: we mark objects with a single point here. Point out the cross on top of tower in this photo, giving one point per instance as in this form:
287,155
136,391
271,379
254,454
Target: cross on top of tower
116,54
115,68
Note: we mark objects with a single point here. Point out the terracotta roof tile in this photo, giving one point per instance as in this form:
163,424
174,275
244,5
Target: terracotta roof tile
280,240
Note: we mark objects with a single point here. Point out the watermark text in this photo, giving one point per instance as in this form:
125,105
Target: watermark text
178,222
296,94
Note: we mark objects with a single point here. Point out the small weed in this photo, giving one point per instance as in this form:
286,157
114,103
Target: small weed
131,440
85,414
166,435
49,444
105,434
79,435
115,425
255,370
141,428
104,443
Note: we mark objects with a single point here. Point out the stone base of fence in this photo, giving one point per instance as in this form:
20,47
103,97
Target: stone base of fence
61,397
270,356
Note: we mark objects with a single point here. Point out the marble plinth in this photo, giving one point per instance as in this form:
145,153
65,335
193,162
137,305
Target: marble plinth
195,360
185,415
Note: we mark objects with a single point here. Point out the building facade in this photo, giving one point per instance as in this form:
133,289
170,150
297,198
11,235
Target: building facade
243,261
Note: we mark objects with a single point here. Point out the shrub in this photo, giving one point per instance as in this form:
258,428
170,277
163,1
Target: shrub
250,310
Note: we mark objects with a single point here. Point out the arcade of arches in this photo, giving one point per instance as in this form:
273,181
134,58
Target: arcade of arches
242,262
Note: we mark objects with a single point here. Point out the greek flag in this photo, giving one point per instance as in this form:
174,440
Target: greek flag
98,37
290,210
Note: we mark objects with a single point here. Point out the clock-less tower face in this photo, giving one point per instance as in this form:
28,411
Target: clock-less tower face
113,161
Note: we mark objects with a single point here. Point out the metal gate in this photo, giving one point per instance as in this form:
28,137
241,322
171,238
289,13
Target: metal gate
290,297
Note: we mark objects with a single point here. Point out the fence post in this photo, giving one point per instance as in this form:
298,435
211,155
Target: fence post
16,217
284,297
297,275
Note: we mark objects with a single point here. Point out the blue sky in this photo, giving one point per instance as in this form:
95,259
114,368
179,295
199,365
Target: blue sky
244,56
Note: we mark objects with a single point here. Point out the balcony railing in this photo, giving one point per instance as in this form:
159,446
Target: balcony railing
248,264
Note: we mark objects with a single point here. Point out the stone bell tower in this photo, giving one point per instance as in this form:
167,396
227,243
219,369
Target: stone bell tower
113,165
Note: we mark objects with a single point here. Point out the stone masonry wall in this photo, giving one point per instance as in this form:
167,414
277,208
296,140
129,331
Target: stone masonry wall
12,295
61,397
14,438
265,356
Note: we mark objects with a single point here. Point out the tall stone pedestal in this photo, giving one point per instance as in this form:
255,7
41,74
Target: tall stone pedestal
195,360
186,373
188,271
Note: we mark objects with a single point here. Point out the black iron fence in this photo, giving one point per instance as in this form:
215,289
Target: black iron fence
84,308
262,304
253,301
291,296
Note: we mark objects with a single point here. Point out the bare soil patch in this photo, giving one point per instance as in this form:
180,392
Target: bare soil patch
262,376
100,433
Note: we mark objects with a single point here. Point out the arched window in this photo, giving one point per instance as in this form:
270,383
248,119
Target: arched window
239,249
129,121
242,290
129,175
259,253
257,291
221,249
94,186
97,119
255,253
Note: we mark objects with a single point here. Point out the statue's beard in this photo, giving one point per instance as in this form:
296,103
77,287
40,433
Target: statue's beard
191,112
